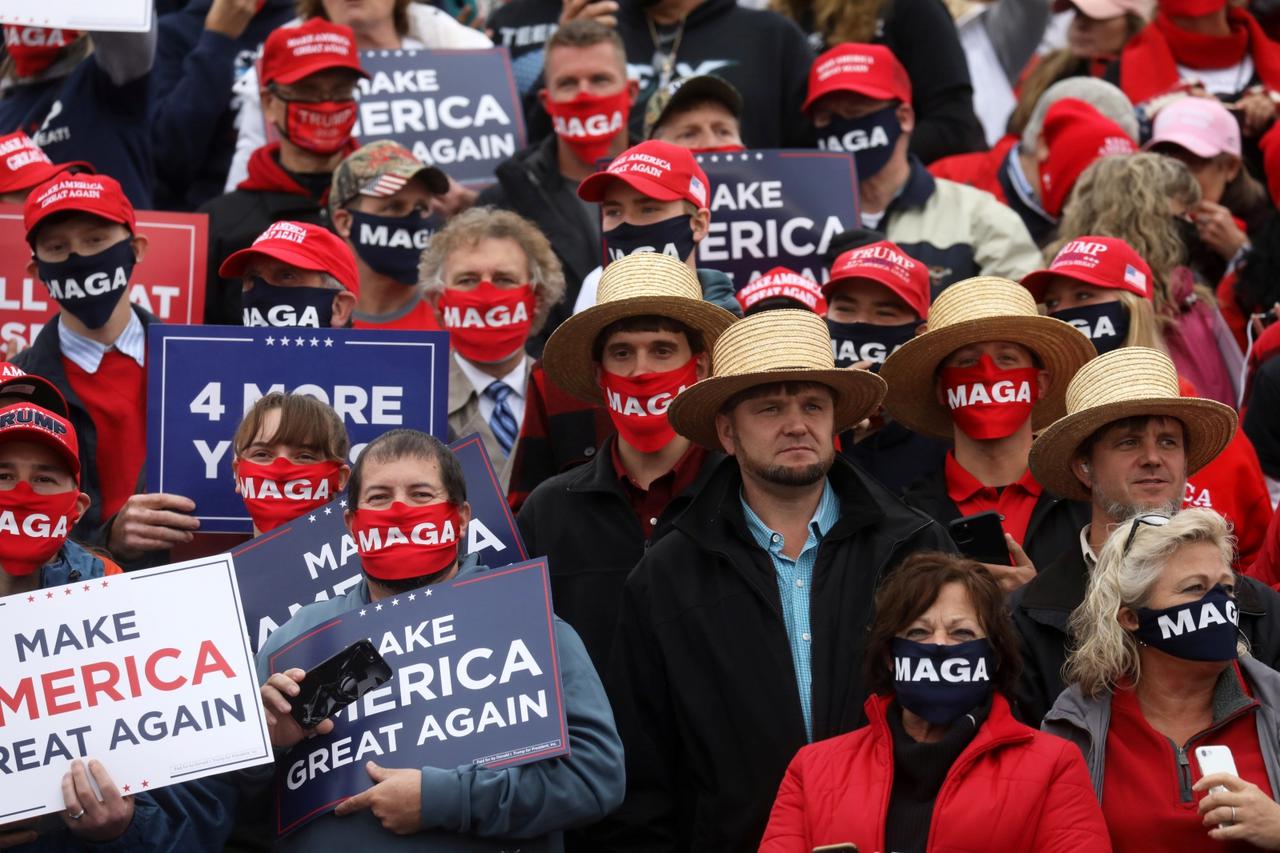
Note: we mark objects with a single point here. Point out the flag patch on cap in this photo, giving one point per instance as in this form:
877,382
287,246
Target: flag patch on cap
1135,277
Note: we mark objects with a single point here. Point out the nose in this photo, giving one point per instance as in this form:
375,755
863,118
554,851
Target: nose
1151,453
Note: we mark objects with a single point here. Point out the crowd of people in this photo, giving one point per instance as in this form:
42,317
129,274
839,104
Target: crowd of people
966,541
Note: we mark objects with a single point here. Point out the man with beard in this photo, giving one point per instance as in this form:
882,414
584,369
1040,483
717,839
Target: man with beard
741,630
1127,445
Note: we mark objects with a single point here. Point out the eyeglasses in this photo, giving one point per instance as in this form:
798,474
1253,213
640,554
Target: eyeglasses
1150,519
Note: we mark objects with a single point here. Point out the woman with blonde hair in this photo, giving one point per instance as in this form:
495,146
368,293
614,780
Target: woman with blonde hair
1156,673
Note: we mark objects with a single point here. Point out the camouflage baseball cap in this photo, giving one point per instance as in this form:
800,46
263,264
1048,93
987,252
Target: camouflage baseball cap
380,169
684,91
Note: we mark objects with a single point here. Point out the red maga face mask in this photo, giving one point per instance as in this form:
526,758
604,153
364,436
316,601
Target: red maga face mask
321,127
487,323
589,123
987,402
404,541
278,493
33,527
35,48
638,404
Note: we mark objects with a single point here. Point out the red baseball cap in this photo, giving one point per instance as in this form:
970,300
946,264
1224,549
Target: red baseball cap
24,165
1076,135
303,245
658,169
783,283
99,195
29,422
884,263
867,69
1100,261
29,388
291,53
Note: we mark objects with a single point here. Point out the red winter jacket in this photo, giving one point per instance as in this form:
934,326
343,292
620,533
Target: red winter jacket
1013,788
979,169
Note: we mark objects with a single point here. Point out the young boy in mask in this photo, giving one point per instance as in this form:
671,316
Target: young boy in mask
295,274
308,75
82,233
382,203
404,483
989,371
654,197
649,337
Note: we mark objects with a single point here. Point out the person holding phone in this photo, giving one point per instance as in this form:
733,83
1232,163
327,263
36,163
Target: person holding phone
942,763
1157,672
403,483
986,373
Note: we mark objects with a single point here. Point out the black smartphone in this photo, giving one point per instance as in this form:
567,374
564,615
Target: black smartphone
335,683
981,537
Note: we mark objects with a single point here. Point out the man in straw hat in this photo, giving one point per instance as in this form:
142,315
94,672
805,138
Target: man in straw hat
1126,445
646,340
987,372
749,616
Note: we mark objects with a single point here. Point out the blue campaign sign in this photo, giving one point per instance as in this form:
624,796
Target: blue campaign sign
475,680
776,208
456,109
314,557
202,379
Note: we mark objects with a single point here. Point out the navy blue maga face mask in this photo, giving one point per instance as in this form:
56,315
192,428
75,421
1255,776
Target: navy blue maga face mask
870,138
672,237
854,342
1106,324
88,287
1203,630
942,683
270,305
392,245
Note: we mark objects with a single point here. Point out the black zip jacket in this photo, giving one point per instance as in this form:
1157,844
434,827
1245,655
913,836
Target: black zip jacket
1041,609
1053,529
701,677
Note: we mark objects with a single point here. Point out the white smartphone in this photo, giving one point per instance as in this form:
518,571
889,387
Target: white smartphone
1216,759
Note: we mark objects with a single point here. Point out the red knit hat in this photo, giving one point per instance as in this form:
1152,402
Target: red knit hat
302,245
782,283
1100,261
1076,135
866,69
884,263
291,53
99,195
657,169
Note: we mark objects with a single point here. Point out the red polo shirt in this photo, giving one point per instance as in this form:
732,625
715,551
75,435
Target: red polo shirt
1014,502
649,503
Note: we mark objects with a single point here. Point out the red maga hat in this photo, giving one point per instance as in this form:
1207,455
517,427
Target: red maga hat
291,53
657,169
302,245
23,387
884,263
24,165
99,195
1076,134
29,422
865,69
1100,261
782,283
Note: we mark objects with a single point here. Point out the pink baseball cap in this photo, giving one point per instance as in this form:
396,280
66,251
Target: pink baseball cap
1100,261
303,245
657,169
1203,126
865,69
886,264
782,283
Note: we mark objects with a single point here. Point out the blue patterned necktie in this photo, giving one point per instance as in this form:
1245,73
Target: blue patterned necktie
502,421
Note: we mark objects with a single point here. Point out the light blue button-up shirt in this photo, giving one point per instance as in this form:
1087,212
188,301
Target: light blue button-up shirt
795,577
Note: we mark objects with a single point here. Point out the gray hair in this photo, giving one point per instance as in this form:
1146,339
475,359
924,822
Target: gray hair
1105,652
1101,95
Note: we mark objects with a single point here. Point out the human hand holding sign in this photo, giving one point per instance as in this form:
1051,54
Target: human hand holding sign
151,522
284,729
395,799
1022,570
88,817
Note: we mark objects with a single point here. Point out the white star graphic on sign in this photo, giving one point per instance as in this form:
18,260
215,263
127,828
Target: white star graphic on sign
362,611
315,342
284,342
379,607
343,502
328,342
271,342
759,156
300,342
412,596
395,602
328,510
428,593
311,518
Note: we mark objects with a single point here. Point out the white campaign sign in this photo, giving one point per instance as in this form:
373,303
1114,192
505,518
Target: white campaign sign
149,672
126,16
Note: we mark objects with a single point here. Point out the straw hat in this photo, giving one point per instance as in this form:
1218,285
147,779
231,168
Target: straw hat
1125,383
785,345
975,311
640,284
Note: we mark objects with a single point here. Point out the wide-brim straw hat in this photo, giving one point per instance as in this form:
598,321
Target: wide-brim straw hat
975,311
646,283
784,345
1125,383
